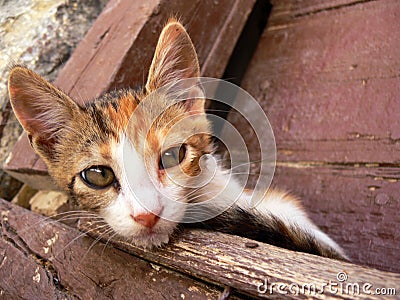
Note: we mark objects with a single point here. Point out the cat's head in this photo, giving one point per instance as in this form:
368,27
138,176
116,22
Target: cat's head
121,166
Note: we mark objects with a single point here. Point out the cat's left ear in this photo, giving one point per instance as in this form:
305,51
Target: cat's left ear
43,110
175,59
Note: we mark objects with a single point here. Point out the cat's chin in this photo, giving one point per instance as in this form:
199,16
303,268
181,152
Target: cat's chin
146,237
117,216
150,240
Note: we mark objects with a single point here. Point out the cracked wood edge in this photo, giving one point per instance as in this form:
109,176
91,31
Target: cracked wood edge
32,244
225,260
44,259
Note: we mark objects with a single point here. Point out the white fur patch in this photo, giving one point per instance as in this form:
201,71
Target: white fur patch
285,208
137,195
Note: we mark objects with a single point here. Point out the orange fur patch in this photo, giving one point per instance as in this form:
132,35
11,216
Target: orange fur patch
126,107
105,151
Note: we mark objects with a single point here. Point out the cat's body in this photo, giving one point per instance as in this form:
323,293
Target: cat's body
125,169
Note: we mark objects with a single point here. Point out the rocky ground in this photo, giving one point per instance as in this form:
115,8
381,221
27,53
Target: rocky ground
40,34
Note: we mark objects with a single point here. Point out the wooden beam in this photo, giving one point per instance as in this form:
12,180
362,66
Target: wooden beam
257,269
117,51
43,259
327,75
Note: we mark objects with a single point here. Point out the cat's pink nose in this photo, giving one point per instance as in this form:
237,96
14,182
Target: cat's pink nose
146,219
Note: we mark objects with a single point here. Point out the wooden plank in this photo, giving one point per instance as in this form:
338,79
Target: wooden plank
40,257
285,9
217,257
117,51
325,79
25,165
44,259
357,207
327,75
279,65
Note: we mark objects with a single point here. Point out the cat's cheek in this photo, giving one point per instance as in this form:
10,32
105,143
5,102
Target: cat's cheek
173,201
117,215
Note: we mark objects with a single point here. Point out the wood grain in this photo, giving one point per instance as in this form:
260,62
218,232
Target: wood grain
329,83
327,75
227,260
354,206
44,259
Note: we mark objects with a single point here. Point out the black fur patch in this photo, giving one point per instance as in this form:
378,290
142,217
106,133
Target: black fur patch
267,229
71,191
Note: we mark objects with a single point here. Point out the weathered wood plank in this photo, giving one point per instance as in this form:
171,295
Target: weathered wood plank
39,256
25,165
217,257
355,206
327,75
22,277
118,49
44,259
285,9
329,83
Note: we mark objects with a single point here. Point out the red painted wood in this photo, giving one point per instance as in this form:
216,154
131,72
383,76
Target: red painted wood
327,75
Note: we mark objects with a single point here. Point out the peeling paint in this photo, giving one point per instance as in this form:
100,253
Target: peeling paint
4,215
3,261
155,267
193,289
388,179
50,242
316,164
36,277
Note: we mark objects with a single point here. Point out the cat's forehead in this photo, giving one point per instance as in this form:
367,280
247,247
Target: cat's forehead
139,116
114,109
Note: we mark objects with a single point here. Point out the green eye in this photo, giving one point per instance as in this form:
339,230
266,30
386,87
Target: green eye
98,177
172,157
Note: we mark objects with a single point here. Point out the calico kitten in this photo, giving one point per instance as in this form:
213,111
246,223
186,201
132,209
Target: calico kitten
84,148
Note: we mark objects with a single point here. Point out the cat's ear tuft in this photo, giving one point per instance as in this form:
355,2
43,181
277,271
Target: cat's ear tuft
175,57
41,108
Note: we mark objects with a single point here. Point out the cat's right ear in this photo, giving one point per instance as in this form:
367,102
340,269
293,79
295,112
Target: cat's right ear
41,108
175,57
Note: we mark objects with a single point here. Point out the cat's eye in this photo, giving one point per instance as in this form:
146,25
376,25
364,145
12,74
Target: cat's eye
98,177
172,157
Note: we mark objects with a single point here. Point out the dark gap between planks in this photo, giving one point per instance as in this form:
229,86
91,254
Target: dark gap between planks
241,56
